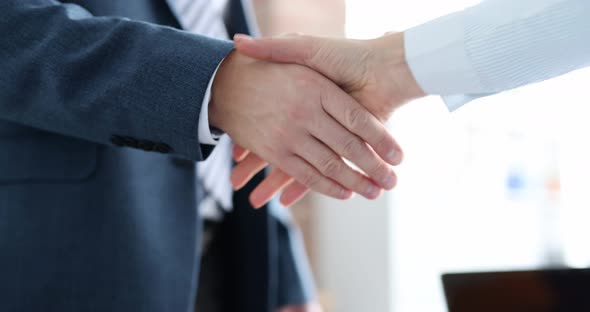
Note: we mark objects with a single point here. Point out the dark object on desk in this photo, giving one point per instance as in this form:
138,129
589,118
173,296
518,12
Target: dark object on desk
557,290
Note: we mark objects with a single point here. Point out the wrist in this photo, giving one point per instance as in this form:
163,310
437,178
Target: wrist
393,47
219,90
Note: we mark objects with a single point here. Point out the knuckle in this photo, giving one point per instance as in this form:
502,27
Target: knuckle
309,178
330,167
384,141
299,113
352,148
357,118
296,113
313,54
378,169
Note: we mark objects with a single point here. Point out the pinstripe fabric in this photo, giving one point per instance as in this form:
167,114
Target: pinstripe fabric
498,45
541,43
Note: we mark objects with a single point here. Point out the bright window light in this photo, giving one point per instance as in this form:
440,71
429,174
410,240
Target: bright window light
500,184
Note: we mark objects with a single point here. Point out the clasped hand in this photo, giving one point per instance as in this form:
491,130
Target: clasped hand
303,104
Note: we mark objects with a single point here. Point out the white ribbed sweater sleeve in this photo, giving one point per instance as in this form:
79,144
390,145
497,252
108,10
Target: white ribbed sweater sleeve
498,45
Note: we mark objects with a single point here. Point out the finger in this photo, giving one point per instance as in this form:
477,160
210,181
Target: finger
270,186
293,193
307,175
351,147
286,49
332,166
239,153
350,114
245,170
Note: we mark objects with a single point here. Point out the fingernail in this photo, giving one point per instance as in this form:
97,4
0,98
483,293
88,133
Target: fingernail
345,194
242,37
389,181
392,156
372,192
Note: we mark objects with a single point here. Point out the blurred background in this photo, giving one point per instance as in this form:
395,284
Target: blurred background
500,184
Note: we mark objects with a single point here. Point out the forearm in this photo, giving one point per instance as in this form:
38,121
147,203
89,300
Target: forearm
499,45
68,72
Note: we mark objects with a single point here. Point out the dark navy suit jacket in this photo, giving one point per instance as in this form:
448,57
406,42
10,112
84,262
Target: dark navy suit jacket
99,109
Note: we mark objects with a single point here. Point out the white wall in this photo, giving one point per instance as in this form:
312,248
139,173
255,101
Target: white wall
354,250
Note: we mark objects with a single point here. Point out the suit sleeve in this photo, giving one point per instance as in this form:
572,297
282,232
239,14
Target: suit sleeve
96,78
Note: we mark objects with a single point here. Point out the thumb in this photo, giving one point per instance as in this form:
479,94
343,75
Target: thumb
286,49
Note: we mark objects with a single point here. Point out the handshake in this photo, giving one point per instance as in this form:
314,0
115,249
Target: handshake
304,104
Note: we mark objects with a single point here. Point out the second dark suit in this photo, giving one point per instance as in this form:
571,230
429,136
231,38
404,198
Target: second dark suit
98,105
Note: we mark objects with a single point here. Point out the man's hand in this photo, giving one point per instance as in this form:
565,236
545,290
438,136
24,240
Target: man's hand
374,72
304,124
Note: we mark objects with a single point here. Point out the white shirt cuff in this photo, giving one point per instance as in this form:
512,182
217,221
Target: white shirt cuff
454,102
206,134
436,55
